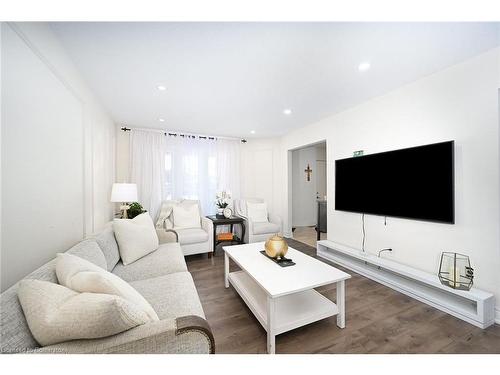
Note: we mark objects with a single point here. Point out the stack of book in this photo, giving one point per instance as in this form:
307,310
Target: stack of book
224,236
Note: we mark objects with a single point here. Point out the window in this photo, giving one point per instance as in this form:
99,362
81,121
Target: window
191,173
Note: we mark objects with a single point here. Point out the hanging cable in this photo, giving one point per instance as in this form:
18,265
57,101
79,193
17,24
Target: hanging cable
364,233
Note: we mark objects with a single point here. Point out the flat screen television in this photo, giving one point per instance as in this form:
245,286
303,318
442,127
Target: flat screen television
414,183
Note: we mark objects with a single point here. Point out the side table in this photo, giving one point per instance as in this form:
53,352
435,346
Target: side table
221,220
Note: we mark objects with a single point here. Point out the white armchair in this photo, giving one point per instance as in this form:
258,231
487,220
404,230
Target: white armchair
193,240
261,230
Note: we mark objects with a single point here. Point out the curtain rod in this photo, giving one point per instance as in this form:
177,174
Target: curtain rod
175,134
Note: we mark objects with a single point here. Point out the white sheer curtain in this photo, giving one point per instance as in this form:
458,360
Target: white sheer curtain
147,168
228,166
175,167
198,168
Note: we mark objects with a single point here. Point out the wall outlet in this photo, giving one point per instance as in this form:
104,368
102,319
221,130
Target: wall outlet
357,153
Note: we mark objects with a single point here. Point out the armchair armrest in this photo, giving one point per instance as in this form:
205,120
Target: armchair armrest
187,334
249,223
208,226
167,235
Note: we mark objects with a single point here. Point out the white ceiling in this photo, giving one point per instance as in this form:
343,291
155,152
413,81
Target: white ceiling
231,78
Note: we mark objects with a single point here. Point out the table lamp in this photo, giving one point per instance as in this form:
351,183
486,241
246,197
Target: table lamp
124,193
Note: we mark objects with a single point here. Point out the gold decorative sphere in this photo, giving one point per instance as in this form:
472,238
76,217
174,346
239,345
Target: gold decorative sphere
276,247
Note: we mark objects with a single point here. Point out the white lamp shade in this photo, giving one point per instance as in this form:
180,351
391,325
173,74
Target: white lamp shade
124,193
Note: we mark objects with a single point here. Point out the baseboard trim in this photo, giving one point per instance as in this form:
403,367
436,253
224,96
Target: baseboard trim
497,315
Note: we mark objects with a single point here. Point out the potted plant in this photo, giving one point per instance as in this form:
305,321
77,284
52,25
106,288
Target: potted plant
222,201
134,210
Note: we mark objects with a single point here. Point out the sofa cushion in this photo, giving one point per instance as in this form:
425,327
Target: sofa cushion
109,247
171,295
82,276
136,237
265,228
15,335
52,310
191,235
166,260
90,251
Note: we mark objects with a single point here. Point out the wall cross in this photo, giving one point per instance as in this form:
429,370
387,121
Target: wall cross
308,171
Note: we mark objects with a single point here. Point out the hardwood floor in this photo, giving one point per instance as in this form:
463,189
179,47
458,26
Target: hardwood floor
307,235
378,319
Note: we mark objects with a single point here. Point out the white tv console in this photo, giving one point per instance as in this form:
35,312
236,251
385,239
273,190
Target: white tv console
474,306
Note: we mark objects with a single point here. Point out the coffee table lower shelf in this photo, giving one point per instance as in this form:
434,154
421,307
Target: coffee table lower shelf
291,311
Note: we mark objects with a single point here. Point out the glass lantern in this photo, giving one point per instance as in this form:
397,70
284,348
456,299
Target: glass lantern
455,271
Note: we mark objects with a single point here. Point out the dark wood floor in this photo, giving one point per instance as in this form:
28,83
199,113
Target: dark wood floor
378,320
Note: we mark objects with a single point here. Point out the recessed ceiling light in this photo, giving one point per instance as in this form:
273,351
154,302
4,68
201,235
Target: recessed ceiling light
287,111
161,119
161,88
364,66
252,131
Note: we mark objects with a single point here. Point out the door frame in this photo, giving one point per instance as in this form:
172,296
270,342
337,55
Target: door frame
288,227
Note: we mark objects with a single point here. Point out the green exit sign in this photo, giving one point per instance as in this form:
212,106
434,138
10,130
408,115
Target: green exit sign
357,153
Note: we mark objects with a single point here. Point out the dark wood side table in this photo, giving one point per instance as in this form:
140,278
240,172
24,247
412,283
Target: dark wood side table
221,220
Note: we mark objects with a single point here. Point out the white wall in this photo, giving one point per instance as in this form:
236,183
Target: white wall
459,103
58,152
260,170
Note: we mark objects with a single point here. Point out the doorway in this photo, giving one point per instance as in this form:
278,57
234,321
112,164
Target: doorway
308,190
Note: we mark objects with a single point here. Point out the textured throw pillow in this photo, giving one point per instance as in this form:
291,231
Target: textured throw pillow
83,276
56,314
257,212
136,237
186,216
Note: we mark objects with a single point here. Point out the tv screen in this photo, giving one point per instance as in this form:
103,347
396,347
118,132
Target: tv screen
415,183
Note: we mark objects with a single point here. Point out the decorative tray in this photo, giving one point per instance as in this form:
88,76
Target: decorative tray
283,262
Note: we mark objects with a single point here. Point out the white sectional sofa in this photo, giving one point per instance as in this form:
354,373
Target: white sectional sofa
161,277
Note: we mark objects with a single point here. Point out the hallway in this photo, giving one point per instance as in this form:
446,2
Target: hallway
307,235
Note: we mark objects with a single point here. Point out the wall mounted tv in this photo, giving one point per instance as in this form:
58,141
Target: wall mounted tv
414,183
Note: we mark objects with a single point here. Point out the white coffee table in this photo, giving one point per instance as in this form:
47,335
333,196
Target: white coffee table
283,298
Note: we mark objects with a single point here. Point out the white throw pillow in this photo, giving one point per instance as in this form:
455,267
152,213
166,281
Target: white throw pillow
257,212
56,314
136,237
82,276
186,216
